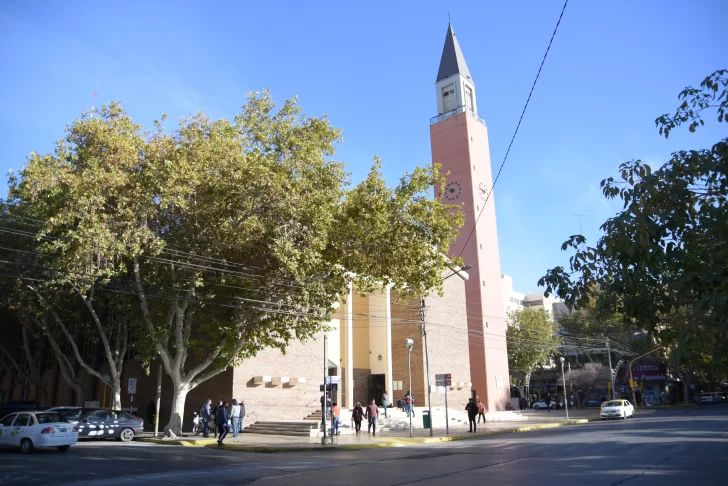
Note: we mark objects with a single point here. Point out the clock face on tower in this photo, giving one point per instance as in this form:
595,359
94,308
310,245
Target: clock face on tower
453,190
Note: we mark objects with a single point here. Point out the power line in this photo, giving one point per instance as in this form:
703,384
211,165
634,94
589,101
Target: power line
538,74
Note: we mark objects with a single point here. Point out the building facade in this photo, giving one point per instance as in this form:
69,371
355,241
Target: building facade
461,333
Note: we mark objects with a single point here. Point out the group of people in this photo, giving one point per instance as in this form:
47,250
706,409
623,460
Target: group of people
224,417
371,413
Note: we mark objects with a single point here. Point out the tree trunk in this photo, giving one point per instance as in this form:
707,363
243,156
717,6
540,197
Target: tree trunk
116,394
176,418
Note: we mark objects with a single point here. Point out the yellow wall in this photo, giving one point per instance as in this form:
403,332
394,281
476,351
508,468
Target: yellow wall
360,334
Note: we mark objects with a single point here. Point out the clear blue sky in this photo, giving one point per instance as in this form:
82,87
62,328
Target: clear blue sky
371,66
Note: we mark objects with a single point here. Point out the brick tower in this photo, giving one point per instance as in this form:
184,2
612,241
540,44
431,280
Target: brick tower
459,139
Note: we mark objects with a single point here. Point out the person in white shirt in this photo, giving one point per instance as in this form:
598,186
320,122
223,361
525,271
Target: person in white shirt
236,418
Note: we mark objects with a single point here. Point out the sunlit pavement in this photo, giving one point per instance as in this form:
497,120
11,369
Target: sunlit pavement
668,447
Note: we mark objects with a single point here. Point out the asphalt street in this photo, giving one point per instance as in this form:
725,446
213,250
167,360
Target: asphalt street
669,447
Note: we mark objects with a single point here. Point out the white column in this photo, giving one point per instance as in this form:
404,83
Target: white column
388,317
350,347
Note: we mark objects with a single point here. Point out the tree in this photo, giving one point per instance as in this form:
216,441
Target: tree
533,339
589,376
665,252
231,235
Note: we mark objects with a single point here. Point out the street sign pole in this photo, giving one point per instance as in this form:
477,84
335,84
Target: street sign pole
326,408
445,380
447,419
131,389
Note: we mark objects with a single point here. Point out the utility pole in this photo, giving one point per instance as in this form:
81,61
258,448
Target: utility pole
563,382
611,371
423,316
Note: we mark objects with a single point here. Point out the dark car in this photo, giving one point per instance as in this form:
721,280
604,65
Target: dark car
96,423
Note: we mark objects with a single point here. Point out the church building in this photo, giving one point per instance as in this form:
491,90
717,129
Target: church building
461,333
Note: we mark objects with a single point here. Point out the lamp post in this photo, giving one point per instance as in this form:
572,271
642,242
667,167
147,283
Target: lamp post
563,380
408,344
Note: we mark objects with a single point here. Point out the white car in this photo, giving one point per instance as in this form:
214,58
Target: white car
542,404
617,409
30,430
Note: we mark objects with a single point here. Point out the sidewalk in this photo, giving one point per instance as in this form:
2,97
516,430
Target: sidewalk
273,443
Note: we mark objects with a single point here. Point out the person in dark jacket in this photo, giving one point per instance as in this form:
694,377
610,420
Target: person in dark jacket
472,410
357,415
206,416
221,420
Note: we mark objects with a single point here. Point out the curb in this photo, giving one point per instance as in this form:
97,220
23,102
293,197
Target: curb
393,442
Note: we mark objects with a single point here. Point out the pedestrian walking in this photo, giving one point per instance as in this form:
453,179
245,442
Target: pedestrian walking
548,402
408,403
335,414
235,417
372,414
385,402
357,415
215,410
481,411
221,420
206,416
472,410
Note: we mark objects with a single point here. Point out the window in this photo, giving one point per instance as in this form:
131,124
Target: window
48,418
99,416
469,97
449,100
23,420
7,421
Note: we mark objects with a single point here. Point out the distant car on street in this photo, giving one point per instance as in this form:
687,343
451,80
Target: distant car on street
612,409
95,423
30,430
542,405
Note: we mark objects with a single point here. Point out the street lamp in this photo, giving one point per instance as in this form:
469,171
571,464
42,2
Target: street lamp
408,343
563,379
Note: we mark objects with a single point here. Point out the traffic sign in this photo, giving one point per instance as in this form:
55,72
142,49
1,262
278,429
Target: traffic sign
132,386
443,380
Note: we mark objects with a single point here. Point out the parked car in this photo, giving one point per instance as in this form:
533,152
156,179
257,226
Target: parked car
542,404
105,424
62,409
707,398
617,409
30,430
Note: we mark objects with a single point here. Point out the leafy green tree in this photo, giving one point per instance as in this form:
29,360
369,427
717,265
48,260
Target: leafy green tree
231,235
665,252
533,339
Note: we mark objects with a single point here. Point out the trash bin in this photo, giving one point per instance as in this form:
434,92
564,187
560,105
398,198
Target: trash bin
425,419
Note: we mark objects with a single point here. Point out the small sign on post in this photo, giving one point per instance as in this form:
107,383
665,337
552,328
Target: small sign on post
132,391
443,380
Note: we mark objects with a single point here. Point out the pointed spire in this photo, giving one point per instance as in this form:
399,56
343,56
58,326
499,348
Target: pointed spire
452,61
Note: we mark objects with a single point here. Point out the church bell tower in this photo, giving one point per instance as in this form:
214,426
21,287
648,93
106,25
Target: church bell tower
459,139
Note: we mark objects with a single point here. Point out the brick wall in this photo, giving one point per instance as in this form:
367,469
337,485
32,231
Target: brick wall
447,340
401,329
361,385
282,402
